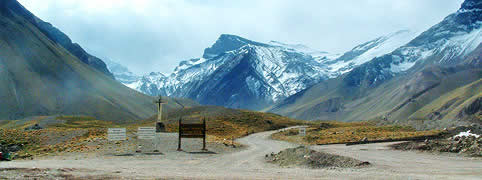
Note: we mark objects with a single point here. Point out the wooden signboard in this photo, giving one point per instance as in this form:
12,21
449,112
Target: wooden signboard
192,131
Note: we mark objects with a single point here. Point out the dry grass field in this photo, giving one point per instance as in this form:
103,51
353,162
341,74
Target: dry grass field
334,132
224,123
75,133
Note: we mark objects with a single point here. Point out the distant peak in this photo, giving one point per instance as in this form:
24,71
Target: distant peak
156,74
229,36
228,42
471,4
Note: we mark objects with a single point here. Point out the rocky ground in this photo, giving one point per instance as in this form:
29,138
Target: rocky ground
464,140
164,143
304,157
48,173
466,145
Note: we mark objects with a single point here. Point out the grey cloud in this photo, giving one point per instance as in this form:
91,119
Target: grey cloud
154,35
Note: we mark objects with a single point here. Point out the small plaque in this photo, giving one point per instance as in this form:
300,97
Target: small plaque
302,131
146,132
116,134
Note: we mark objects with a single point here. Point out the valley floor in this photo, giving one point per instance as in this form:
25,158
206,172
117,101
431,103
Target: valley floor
248,163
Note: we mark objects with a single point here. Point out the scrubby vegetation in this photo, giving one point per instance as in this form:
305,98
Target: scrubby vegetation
342,132
73,133
64,134
14,140
25,144
225,123
70,133
82,122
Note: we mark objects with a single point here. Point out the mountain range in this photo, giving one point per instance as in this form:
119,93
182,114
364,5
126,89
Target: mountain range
428,79
432,81
240,73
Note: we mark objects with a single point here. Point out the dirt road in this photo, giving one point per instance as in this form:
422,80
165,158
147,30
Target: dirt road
410,163
248,163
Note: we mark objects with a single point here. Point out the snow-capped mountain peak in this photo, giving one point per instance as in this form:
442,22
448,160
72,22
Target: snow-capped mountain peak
446,43
241,73
471,5
228,42
451,40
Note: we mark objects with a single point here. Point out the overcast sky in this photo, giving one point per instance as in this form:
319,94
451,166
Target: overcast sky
155,35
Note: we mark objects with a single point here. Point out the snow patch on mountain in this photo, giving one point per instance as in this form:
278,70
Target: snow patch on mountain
451,40
299,48
463,44
447,43
384,45
400,67
279,69
338,65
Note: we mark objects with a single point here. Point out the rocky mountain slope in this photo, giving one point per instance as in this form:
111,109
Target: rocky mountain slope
39,77
240,73
393,87
58,37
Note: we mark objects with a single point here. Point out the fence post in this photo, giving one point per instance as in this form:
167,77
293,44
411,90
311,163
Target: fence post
204,134
180,132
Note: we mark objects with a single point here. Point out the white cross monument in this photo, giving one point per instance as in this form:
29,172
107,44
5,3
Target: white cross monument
159,124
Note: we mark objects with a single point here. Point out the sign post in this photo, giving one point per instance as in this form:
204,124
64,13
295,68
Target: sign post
302,131
146,132
116,134
146,136
192,131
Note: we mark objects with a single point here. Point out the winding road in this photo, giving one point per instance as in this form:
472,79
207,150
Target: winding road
248,163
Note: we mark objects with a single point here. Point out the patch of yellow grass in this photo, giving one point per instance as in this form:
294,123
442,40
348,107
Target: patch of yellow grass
223,123
82,122
341,132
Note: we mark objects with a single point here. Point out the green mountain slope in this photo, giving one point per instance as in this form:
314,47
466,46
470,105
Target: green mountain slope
462,103
40,77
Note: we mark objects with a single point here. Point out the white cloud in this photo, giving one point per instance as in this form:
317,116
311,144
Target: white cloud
154,35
